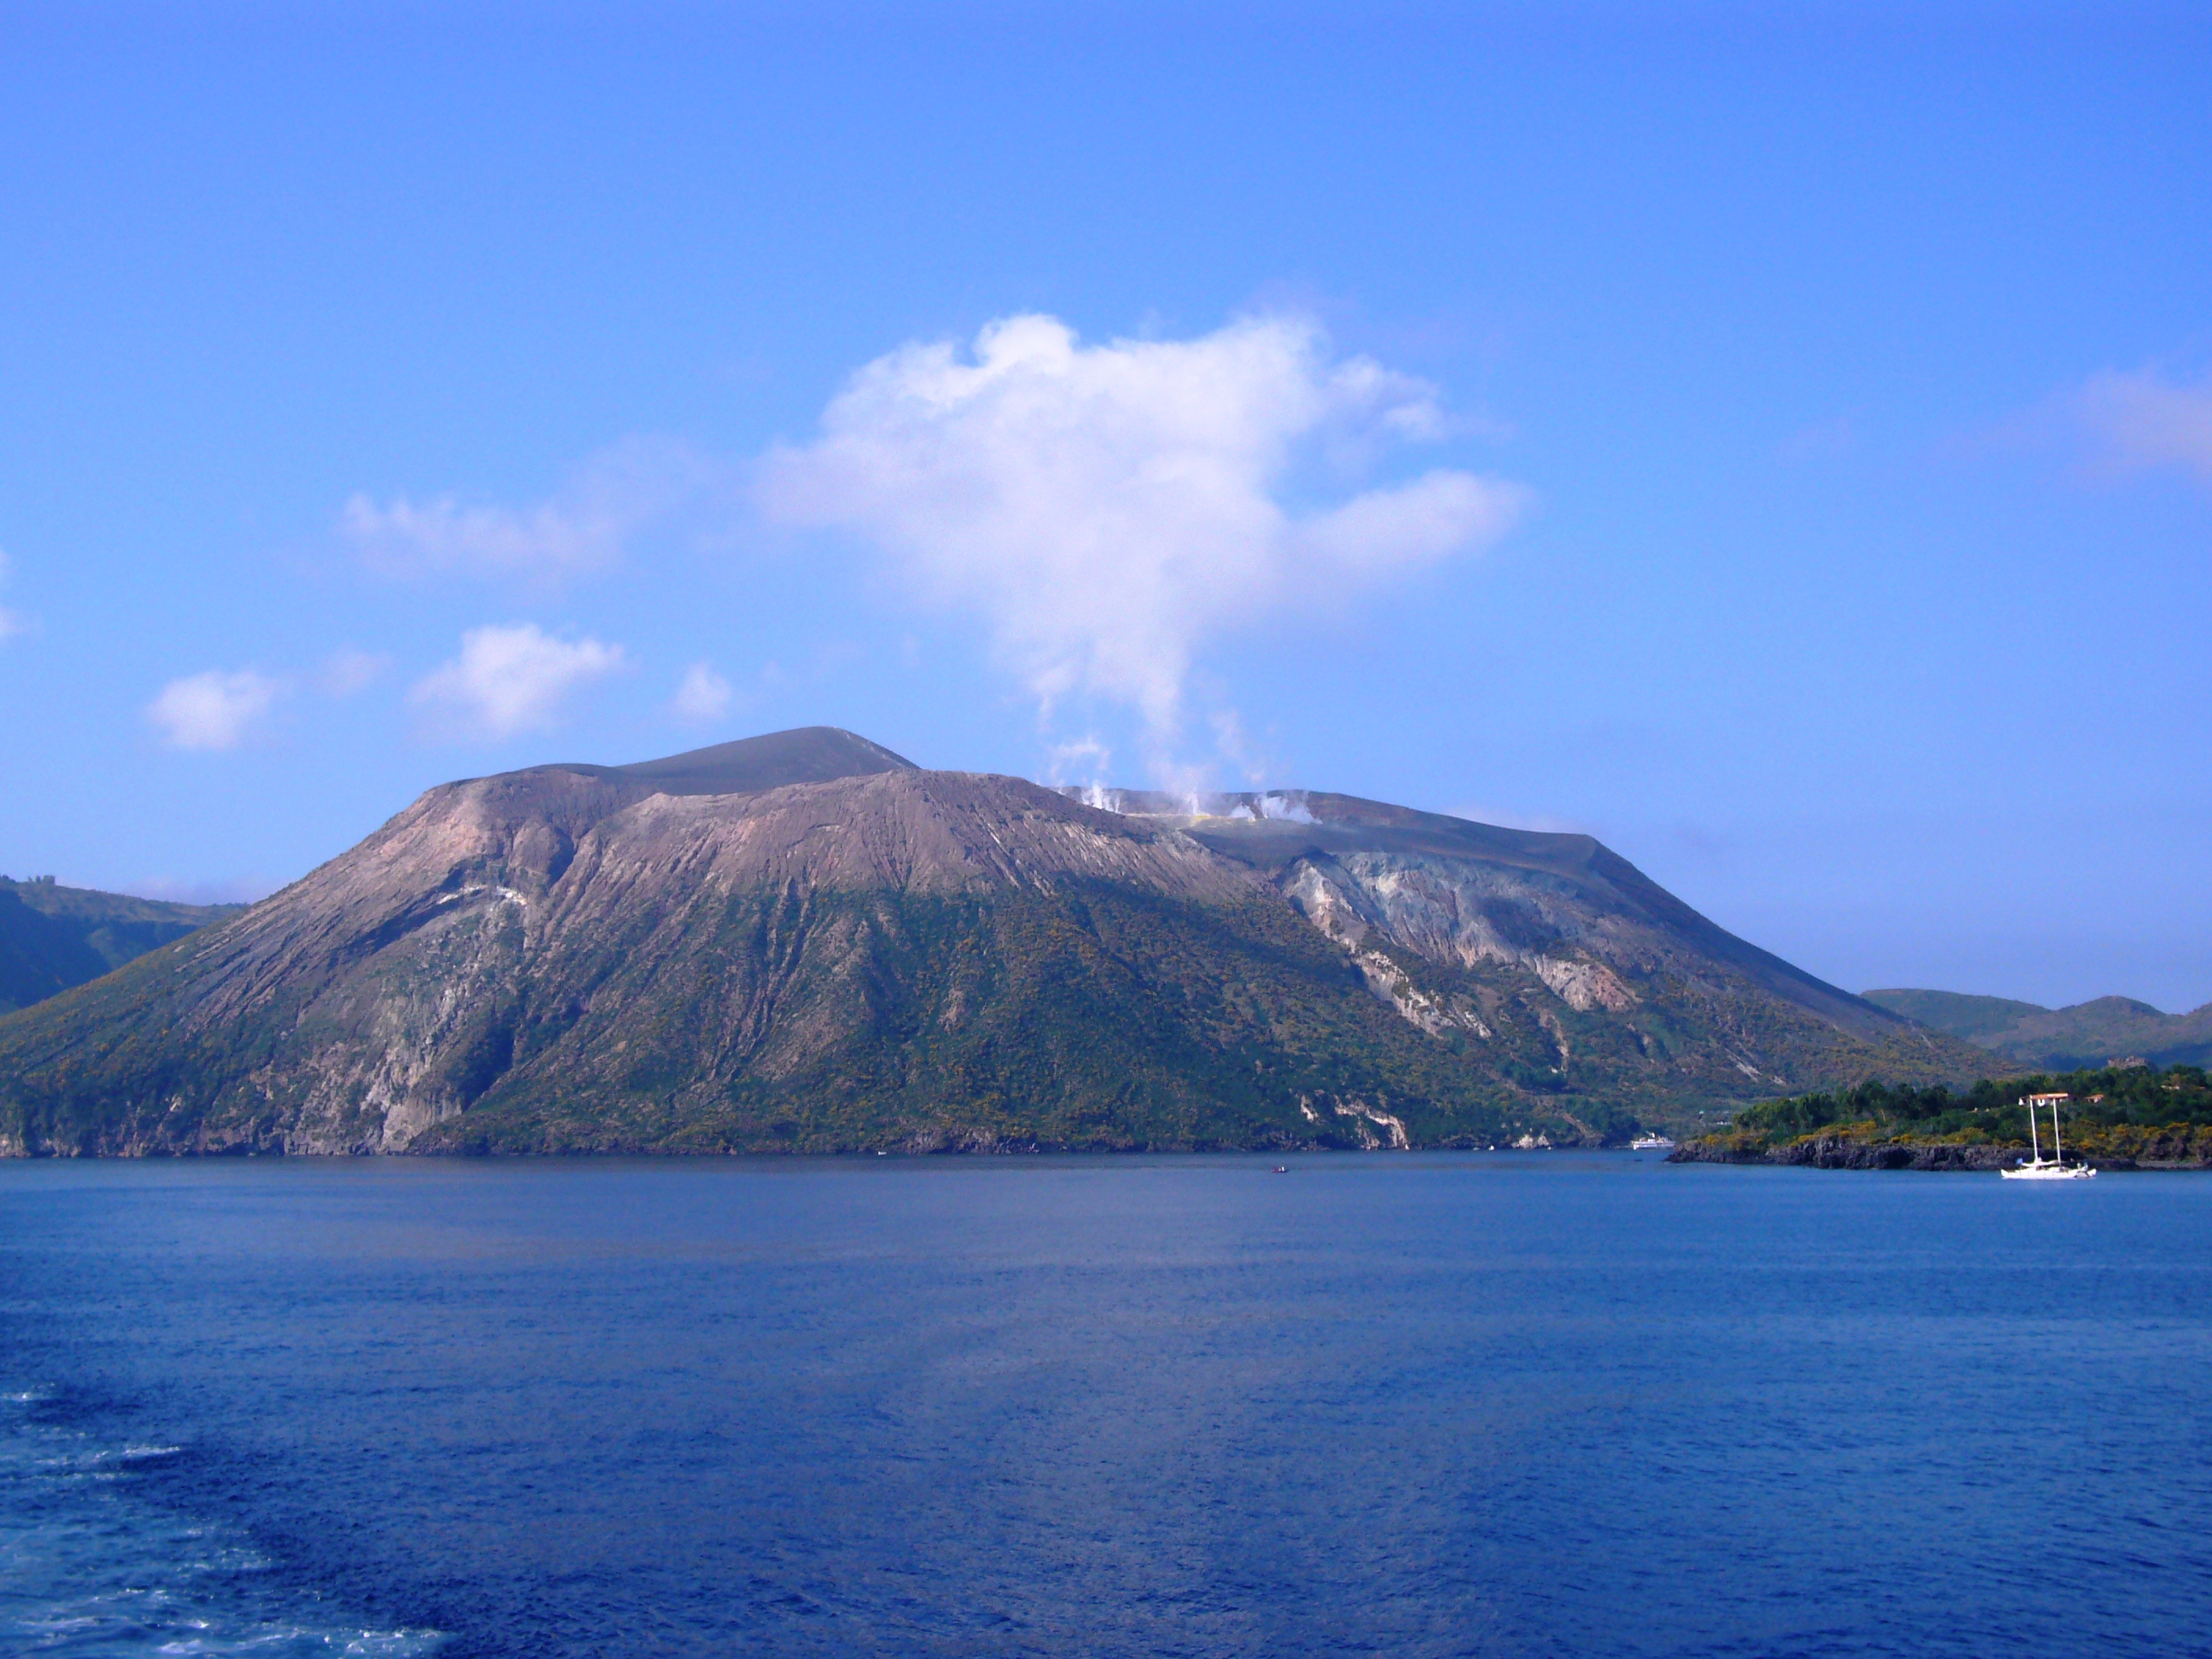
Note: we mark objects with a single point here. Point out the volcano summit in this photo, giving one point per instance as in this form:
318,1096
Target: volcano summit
803,942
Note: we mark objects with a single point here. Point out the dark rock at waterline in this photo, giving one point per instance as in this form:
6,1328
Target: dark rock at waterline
1838,1152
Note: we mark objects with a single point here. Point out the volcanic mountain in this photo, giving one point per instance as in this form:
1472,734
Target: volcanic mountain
804,942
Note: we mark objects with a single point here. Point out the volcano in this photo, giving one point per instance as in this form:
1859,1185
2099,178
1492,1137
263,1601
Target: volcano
803,942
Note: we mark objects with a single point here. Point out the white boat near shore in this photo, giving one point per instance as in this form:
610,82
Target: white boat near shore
1651,1144
2054,1168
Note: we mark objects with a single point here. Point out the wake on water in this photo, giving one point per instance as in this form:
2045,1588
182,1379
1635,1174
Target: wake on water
90,1564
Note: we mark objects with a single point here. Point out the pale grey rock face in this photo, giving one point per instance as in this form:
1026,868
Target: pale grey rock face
1393,886
1461,912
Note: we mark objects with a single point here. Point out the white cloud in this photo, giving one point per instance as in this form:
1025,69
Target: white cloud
214,710
511,679
583,527
2141,422
701,696
1109,508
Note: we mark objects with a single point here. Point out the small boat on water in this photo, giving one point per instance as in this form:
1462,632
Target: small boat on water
2054,1168
1652,1143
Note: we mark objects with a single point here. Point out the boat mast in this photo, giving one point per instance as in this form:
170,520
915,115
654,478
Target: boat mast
2034,1133
2057,1150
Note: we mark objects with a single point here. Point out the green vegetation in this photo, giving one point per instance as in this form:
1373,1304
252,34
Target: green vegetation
2139,1113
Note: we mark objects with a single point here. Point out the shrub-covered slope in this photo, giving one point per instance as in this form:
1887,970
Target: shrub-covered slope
53,937
2086,1035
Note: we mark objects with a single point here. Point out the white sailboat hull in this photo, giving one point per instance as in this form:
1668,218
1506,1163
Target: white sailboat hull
2039,1168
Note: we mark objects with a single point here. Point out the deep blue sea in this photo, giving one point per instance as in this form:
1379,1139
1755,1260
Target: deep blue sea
1395,1405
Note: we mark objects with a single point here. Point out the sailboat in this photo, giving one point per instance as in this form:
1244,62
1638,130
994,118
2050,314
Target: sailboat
2054,1168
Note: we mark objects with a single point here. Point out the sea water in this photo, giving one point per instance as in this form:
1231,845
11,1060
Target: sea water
1387,1403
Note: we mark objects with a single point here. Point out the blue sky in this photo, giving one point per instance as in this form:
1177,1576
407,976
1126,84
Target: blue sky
1779,445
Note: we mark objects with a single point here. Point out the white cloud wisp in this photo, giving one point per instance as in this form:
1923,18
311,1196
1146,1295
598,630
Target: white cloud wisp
582,528
1109,508
214,710
510,679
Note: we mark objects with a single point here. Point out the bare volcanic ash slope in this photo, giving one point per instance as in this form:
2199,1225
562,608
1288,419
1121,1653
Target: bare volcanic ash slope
803,942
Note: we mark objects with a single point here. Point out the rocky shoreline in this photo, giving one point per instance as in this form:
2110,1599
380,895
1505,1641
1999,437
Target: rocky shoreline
2170,1151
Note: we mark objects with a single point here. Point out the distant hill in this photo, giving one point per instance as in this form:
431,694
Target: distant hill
2082,1037
53,937
803,942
